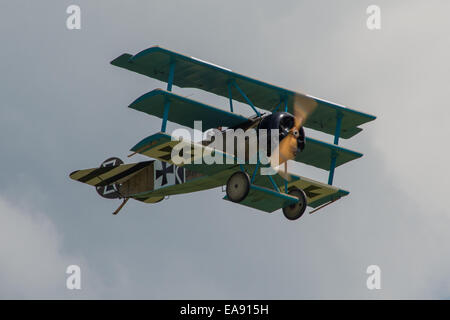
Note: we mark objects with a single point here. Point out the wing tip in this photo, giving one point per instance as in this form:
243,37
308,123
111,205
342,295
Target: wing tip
72,174
119,61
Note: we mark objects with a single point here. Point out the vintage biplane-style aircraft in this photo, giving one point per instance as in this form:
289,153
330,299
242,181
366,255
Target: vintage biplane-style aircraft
151,181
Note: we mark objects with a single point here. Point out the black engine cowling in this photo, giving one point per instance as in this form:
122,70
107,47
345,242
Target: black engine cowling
283,121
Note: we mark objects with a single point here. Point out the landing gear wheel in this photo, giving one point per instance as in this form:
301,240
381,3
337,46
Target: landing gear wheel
238,186
296,210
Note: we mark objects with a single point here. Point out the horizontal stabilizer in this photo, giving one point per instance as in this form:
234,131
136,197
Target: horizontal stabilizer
104,176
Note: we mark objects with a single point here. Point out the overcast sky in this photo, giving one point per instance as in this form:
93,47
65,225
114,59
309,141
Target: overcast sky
64,107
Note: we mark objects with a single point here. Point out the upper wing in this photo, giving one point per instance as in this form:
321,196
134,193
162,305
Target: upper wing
185,111
194,73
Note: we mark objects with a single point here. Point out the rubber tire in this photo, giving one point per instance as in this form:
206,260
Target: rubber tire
295,211
238,186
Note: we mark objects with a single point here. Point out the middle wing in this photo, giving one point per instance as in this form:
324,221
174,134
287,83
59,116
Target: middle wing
185,111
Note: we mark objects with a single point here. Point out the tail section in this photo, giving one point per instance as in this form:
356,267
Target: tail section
109,177
116,180
109,191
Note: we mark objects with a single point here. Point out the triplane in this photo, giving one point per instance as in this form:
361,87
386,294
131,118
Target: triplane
151,181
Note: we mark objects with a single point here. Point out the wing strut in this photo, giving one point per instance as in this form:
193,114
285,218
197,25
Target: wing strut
167,102
250,103
230,96
337,134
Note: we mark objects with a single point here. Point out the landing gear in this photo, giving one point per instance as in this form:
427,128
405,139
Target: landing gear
296,210
238,186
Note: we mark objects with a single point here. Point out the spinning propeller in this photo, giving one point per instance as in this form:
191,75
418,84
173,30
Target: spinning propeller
287,148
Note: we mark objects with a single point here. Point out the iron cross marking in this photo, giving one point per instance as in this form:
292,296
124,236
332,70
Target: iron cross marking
179,176
163,172
309,191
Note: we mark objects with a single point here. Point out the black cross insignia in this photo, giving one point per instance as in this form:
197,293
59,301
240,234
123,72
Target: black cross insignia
179,177
309,191
163,172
